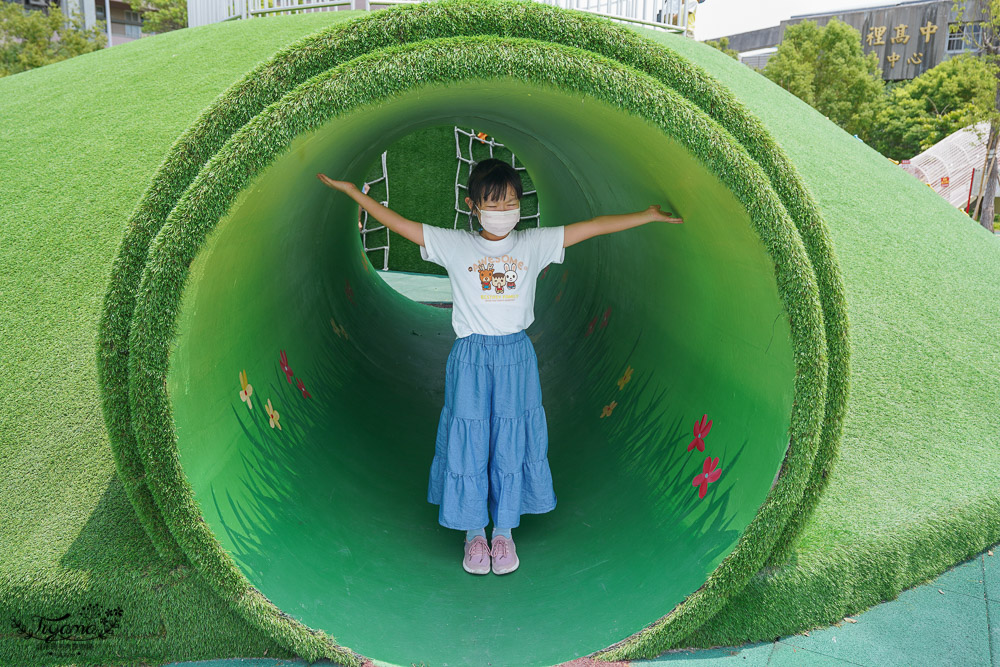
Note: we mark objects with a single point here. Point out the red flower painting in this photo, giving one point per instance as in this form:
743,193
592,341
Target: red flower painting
708,474
285,367
701,429
302,388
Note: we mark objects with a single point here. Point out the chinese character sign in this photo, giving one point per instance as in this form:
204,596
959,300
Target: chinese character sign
906,40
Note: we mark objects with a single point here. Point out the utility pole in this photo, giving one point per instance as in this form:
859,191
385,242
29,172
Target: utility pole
989,48
989,195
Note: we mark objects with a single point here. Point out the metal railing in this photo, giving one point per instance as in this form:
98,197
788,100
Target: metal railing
670,15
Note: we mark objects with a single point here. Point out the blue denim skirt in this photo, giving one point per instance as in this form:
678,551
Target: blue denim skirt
491,451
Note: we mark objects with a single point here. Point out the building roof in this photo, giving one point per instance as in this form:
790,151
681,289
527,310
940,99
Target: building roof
848,10
955,156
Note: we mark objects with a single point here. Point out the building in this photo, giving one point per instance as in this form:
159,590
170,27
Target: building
124,26
672,15
908,37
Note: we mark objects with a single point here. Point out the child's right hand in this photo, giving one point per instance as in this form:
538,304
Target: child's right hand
344,186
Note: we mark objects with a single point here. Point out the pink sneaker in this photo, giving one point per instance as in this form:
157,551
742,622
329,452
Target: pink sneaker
504,556
477,556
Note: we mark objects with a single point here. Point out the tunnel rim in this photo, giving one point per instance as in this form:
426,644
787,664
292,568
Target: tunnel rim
300,59
147,373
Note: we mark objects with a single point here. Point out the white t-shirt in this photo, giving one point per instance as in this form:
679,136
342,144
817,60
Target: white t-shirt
493,282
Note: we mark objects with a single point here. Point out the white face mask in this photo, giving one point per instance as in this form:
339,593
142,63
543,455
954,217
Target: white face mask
499,223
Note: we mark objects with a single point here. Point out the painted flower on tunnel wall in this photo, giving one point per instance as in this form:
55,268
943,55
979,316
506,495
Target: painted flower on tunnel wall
338,329
285,367
563,286
624,379
606,412
348,291
701,429
246,389
593,322
272,415
305,394
709,473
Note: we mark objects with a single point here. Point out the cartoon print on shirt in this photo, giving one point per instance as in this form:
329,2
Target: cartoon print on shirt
496,282
499,280
510,274
485,276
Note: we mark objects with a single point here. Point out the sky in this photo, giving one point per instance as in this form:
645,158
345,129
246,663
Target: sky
716,18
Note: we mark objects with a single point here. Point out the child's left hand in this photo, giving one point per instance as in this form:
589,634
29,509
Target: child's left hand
656,214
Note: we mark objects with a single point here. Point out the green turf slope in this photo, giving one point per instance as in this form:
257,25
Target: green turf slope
80,144
914,488
911,493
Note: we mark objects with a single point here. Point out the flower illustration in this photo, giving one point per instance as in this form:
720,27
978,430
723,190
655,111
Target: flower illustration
246,390
546,270
709,473
604,320
606,412
305,394
285,367
701,429
590,327
338,329
624,379
559,296
272,415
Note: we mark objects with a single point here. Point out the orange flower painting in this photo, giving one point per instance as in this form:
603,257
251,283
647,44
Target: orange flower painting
623,380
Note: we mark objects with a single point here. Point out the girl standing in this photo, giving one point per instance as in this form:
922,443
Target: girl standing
491,449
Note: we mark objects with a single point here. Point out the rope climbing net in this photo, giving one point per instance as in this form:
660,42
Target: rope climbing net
470,137
364,218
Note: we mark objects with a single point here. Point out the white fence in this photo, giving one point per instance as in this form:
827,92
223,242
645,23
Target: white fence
669,15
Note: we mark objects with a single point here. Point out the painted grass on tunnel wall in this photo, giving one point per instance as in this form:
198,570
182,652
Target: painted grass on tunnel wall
221,179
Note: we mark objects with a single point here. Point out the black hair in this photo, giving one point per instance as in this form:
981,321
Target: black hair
489,180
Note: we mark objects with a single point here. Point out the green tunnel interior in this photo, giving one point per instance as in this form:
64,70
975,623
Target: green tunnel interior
638,334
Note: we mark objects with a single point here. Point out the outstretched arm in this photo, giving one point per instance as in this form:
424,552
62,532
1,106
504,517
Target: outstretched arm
414,231
607,224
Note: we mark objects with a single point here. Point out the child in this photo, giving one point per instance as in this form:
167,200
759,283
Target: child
491,448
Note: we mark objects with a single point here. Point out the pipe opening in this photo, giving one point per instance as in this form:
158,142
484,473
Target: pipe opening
638,334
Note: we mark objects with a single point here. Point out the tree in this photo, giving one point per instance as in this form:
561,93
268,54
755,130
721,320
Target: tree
161,15
988,46
32,38
828,69
722,44
919,113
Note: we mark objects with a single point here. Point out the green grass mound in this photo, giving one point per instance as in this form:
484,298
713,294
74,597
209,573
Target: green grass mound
131,515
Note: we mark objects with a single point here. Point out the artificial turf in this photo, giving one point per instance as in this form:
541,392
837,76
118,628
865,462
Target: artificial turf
913,490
